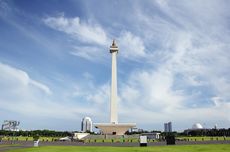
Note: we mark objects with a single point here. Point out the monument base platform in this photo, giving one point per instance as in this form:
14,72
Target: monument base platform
114,129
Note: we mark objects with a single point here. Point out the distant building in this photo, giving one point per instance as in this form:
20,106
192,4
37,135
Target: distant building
197,126
168,127
10,125
152,135
198,130
140,130
86,124
134,129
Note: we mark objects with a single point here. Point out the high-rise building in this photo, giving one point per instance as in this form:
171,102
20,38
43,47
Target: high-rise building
86,124
168,127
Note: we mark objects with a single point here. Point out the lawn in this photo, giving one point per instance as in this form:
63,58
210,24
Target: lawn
22,138
205,138
174,148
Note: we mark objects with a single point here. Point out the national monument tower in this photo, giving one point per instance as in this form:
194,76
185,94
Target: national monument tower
114,127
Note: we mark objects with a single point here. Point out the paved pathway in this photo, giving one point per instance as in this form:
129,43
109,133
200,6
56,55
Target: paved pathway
7,145
6,148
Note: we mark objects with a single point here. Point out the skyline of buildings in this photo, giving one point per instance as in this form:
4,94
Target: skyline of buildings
86,121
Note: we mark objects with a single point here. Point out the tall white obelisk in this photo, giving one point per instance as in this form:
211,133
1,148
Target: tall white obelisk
114,128
113,100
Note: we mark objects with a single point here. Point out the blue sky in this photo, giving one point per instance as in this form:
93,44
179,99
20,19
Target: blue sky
173,63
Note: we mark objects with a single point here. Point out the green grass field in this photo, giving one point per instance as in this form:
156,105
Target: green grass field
9,145
21,138
4,146
175,148
205,138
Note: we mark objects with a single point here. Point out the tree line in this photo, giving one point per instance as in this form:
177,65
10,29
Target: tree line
199,132
208,132
53,133
32,133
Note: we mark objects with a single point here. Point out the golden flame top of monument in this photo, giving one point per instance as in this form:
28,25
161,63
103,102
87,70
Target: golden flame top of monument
113,47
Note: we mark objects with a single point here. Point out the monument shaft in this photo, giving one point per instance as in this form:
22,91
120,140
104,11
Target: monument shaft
114,128
113,100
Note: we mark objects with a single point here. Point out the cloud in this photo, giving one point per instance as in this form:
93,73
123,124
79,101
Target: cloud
189,76
131,46
19,90
161,91
187,62
93,39
21,94
100,95
4,8
84,31
186,49
13,78
154,88
92,97
152,95
96,95
90,53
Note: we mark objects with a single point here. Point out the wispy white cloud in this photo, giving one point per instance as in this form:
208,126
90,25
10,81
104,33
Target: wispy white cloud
154,89
99,95
97,39
31,97
40,86
4,8
21,94
189,58
131,46
152,95
91,53
83,31
90,92
14,78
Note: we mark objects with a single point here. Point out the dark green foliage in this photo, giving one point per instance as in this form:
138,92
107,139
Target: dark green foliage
35,137
208,132
44,133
